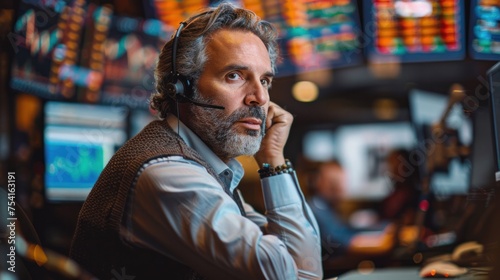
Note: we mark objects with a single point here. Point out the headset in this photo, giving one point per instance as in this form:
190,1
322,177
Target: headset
179,86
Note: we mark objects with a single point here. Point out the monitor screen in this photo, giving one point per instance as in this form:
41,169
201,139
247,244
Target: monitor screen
46,40
362,149
79,140
414,31
427,109
484,39
313,34
494,88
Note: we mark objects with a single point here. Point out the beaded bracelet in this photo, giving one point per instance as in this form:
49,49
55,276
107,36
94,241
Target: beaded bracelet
267,170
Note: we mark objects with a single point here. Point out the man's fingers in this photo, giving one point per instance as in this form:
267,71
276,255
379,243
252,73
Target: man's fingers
276,114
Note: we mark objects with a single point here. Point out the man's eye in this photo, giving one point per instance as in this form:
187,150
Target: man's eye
266,83
233,76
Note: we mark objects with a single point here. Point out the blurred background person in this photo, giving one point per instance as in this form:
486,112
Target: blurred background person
328,189
344,247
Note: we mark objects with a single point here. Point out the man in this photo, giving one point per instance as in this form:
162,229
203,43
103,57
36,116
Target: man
329,191
166,205
329,187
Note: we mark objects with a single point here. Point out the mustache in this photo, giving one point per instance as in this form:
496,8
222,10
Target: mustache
249,112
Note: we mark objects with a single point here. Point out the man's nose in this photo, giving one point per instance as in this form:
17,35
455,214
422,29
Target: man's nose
258,94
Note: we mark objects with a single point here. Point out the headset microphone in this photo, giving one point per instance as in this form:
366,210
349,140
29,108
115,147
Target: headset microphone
178,85
185,99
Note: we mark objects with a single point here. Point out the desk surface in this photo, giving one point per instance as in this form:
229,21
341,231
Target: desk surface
407,273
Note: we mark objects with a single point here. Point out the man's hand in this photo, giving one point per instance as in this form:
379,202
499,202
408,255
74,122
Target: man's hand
278,123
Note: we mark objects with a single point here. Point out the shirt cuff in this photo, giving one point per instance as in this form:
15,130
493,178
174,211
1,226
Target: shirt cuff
280,190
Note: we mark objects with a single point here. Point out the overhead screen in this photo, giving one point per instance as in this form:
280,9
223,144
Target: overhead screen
414,31
485,29
78,51
46,41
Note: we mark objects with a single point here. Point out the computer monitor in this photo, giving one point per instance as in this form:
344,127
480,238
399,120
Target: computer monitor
494,88
427,109
79,140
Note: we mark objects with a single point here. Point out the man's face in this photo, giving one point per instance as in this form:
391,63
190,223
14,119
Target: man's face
237,76
331,182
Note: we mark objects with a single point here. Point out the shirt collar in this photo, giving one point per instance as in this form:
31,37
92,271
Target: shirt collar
194,142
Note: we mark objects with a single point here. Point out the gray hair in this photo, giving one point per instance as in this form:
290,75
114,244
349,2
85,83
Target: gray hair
191,47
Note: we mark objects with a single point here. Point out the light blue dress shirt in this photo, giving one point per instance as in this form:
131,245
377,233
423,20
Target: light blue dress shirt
179,210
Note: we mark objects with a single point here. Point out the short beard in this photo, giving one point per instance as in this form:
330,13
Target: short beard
217,131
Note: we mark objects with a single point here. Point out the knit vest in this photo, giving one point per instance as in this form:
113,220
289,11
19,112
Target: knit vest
97,244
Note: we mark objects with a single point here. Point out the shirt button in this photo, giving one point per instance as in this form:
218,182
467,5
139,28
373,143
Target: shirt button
226,173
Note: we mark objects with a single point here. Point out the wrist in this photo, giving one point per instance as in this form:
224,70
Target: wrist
271,160
268,170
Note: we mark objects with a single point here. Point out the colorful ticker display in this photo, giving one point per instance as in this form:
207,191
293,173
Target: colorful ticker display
48,56
45,40
412,31
316,34
485,29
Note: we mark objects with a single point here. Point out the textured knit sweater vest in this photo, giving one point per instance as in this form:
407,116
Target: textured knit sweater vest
97,245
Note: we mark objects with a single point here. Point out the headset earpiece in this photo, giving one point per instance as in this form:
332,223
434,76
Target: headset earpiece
178,87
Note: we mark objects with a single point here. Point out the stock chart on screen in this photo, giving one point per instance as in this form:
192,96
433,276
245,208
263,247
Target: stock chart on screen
79,140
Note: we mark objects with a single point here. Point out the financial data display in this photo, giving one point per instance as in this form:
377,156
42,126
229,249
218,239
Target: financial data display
414,31
46,42
71,50
79,140
42,47
485,29
314,34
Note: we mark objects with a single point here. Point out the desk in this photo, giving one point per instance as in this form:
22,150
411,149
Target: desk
405,273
